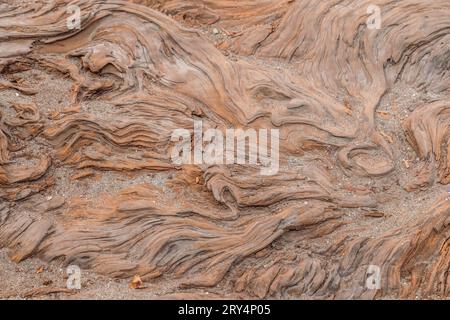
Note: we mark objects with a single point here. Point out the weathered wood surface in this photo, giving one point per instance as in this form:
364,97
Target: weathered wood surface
363,167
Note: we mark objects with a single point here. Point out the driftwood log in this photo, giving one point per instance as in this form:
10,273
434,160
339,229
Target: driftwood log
364,119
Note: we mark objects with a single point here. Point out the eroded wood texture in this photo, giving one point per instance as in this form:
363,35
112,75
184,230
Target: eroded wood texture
364,119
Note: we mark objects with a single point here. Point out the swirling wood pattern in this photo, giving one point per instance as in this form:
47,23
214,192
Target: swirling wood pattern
364,120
